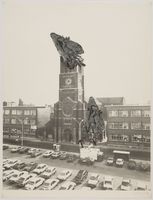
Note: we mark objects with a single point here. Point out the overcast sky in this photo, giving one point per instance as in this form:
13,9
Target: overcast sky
116,38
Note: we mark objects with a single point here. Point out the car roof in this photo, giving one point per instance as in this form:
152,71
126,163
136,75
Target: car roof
68,183
51,180
94,174
65,170
108,178
41,164
126,180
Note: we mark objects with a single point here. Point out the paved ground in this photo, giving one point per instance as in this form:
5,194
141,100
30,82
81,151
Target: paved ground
99,167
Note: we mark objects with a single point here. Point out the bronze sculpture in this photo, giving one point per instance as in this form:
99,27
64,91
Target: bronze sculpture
69,50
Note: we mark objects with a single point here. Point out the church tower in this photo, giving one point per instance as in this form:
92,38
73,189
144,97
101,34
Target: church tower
69,110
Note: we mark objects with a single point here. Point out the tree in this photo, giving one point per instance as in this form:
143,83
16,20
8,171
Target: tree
20,102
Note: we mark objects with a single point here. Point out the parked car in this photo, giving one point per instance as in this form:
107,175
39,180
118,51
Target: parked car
140,186
69,185
126,184
15,177
19,165
119,162
23,180
7,174
80,177
49,184
71,158
34,183
36,153
15,149
24,150
5,147
64,174
48,172
93,180
110,161
63,156
55,155
40,168
47,154
86,161
107,183
10,164
31,150
30,166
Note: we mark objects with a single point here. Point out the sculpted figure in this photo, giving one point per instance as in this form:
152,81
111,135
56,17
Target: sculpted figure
69,50
94,123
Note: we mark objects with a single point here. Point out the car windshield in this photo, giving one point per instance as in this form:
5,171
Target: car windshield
93,178
62,173
110,159
15,175
48,170
21,179
39,167
108,182
31,182
125,183
62,188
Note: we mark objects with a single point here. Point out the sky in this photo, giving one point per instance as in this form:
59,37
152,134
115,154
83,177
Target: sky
115,36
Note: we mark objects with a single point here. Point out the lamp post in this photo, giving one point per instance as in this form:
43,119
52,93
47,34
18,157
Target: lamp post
79,123
22,129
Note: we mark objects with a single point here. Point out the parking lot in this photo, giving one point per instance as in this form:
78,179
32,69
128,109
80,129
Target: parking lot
99,167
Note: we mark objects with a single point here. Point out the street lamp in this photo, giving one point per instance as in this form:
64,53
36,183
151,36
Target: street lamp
79,123
22,129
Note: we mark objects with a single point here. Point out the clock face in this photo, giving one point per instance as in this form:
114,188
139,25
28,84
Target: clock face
68,81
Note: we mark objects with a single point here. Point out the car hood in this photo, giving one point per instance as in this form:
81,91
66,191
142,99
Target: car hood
107,185
29,187
125,187
92,182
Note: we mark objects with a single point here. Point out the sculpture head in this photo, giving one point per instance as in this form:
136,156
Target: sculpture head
69,50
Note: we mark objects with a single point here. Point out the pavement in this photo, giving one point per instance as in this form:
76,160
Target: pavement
99,167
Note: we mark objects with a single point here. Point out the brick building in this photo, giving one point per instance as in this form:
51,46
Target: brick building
128,124
28,118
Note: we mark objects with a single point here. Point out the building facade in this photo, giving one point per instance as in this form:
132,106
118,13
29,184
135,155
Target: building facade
69,110
23,118
128,124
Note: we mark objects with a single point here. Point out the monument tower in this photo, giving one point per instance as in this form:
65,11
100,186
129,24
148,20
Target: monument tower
69,110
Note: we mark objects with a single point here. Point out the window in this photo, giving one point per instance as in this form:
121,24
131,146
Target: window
19,112
26,121
26,130
118,125
33,112
141,139
123,113
13,121
6,112
13,112
124,138
136,113
6,121
113,113
146,126
136,125
146,113
32,122
26,112
6,130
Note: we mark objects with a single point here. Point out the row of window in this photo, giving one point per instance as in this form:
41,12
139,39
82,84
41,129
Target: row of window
16,121
125,138
134,125
18,131
126,113
20,112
